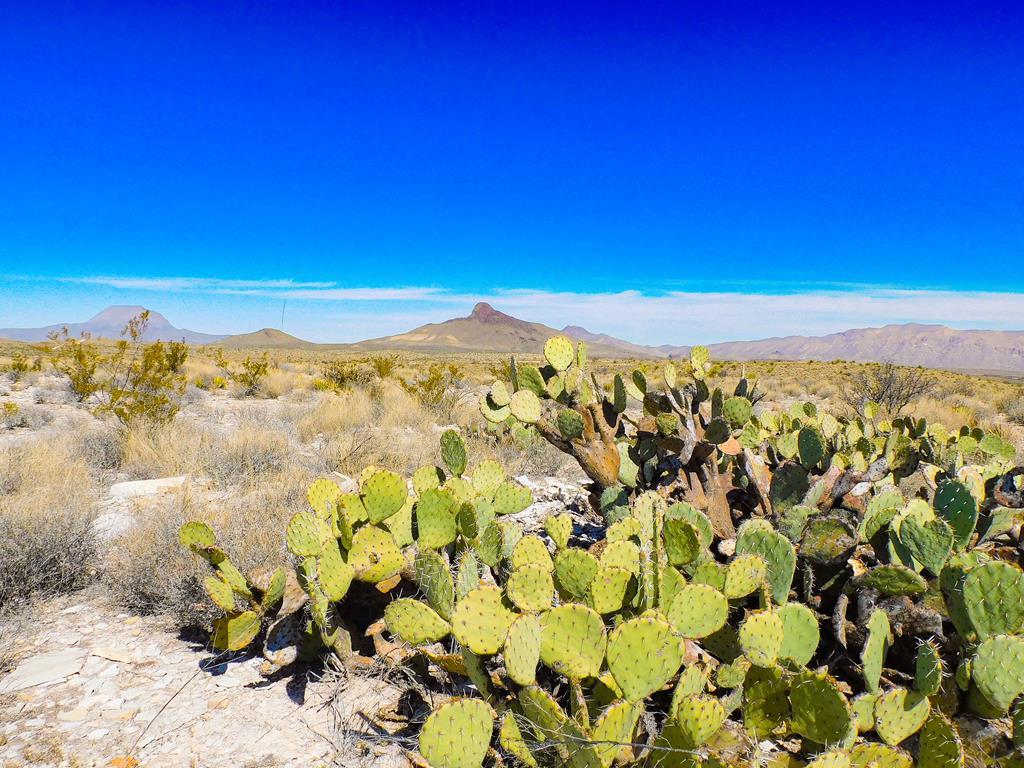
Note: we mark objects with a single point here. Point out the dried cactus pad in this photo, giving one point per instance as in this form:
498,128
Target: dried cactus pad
457,734
643,655
573,641
415,622
481,621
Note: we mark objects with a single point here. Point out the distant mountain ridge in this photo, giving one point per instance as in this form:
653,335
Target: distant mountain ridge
487,329
109,323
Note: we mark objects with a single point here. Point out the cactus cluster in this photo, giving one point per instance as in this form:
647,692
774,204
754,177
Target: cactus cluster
846,591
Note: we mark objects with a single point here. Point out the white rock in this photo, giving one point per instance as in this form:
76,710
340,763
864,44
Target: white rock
44,668
135,488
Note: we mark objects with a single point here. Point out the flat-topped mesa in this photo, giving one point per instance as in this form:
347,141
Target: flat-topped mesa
488,314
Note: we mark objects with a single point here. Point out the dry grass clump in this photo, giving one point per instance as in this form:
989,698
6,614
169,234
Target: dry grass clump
47,545
334,413
150,572
281,381
165,450
248,454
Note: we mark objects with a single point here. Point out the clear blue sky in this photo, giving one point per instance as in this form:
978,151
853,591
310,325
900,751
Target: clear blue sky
465,150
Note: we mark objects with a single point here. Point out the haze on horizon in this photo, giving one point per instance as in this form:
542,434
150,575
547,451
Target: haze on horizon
667,174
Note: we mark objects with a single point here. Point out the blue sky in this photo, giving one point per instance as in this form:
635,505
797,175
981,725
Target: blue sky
670,173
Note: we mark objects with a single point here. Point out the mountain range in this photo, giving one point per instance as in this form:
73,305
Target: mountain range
486,329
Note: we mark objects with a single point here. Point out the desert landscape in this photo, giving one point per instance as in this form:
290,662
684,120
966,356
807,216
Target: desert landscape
106,645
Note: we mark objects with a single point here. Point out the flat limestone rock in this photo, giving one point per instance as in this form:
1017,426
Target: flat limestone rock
44,668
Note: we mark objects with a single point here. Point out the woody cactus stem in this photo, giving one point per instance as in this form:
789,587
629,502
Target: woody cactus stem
595,450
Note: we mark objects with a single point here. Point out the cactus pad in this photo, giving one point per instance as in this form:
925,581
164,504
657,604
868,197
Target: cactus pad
863,708
997,669
929,542
613,728
333,573
559,529
570,424
453,452
281,645
531,550
955,504
573,641
737,411
435,581
510,737
415,622
384,493
196,535
744,575
510,497
873,755
788,487
777,553
607,590
800,633
522,649
574,570
487,476
765,700
939,745
435,514
761,636
530,588
873,654
698,610
899,714
306,535
322,495
682,542
834,759
828,541
928,669
643,655
374,554
698,718
235,631
220,592
427,478
820,711
558,352
525,406
993,596
892,579
457,734
481,621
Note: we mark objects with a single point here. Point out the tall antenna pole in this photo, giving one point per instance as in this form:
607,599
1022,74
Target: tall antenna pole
283,305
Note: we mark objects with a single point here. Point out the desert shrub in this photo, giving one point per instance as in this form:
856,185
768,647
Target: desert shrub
248,454
891,386
343,374
439,389
78,360
384,366
176,354
47,544
19,365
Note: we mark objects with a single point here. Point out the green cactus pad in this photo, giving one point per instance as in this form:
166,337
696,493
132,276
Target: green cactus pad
350,507
559,529
467,576
777,553
510,497
481,621
672,582
993,596
490,546
322,495
453,452
457,734
306,534
427,478
531,550
744,575
696,518
939,745
622,554
623,530
997,669
929,542
499,394
530,588
828,541
525,406
698,718
522,649
196,535
558,352
834,759
487,476
761,636
955,504
737,411
220,592
374,554
899,714
235,631
863,708
435,581
800,633
788,487
384,493
643,655
530,378
435,514
574,571
510,737
810,446
415,622
570,424
273,590
820,711
928,669
608,589
878,642
573,641
333,573
493,413
682,542
765,700
892,580
872,755
234,578
698,610
880,512
613,728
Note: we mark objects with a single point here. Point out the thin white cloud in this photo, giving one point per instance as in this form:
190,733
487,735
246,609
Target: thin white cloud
673,317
